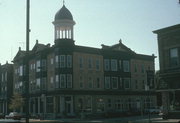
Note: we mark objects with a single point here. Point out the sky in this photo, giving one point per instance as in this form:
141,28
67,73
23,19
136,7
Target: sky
97,22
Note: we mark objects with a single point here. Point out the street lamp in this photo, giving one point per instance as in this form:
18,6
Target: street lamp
27,60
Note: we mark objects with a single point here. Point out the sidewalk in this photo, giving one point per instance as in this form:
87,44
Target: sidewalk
137,119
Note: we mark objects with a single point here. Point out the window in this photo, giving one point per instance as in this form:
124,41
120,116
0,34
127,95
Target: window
38,65
120,83
106,65
2,77
52,61
38,83
114,65
69,61
142,68
5,76
135,68
62,61
43,83
109,103
97,64
80,104
57,61
136,84
31,66
90,64
21,70
88,106
49,104
90,82
31,86
107,82
81,84
114,82
62,81
98,83
69,81
43,65
118,104
120,65
143,84
51,82
57,81
100,105
126,66
174,58
127,83
80,62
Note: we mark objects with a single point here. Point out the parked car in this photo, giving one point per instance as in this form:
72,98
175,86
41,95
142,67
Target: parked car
14,115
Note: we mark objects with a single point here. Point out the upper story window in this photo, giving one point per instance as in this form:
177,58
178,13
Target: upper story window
43,67
97,64
38,65
52,61
136,84
62,61
98,82
5,76
120,64
113,64
69,80
114,82
127,83
2,77
38,83
81,84
57,61
90,63
69,61
90,82
62,81
174,57
142,68
43,83
57,81
21,70
52,82
106,65
126,66
107,82
135,68
80,62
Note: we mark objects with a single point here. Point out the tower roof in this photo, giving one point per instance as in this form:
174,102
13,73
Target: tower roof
63,13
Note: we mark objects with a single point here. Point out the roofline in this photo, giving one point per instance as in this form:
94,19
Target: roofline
177,26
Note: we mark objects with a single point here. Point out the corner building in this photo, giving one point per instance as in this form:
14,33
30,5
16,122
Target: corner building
66,79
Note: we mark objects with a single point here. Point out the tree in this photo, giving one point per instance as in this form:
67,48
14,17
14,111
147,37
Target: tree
16,102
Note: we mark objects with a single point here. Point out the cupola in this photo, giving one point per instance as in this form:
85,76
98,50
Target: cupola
63,24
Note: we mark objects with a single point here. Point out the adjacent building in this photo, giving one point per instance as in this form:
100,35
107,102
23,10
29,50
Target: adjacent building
169,59
66,79
6,88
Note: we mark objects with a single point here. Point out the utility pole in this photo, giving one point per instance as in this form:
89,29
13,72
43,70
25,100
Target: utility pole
27,60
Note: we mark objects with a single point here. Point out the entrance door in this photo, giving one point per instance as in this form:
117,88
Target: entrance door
68,108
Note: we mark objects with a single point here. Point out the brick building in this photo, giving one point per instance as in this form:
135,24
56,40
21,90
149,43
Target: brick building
6,88
169,58
66,79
